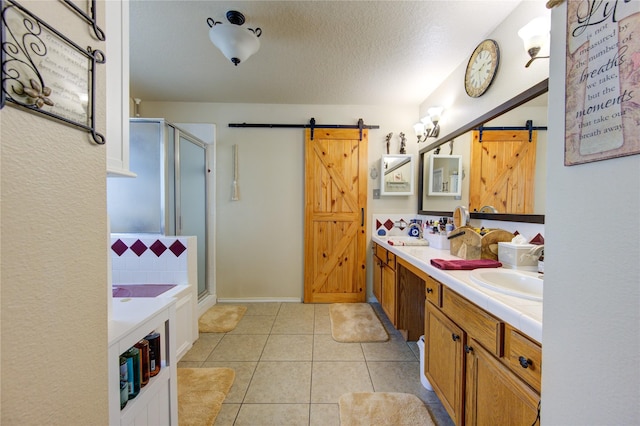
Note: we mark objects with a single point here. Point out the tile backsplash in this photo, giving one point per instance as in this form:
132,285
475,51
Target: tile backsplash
149,259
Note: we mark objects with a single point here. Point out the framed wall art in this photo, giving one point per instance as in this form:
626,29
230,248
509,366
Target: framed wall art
45,72
602,108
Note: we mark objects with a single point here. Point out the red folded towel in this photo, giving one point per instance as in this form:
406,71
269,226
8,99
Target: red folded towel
465,264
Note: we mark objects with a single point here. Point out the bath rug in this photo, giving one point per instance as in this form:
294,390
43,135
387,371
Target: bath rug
221,318
382,408
356,323
201,392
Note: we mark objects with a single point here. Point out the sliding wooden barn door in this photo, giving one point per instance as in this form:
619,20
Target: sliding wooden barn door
336,166
503,169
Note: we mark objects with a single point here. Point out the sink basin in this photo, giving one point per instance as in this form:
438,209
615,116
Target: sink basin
407,241
515,283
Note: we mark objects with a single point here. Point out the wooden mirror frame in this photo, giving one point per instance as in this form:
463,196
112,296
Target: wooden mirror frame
520,99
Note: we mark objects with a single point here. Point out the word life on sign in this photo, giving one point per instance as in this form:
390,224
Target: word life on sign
602,118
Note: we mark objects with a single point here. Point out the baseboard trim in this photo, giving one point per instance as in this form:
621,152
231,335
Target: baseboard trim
205,303
261,300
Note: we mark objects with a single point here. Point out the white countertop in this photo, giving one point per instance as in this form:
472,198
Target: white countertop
524,315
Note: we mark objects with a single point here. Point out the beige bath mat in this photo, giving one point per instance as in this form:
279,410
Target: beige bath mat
383,408
201,392
221,318
356,322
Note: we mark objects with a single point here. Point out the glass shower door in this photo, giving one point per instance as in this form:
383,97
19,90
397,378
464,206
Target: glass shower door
191,208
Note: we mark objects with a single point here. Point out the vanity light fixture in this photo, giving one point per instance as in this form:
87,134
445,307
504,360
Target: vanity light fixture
235,42
536,38
428,126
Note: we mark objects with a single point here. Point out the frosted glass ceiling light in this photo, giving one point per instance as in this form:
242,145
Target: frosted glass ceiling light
536,38
235,42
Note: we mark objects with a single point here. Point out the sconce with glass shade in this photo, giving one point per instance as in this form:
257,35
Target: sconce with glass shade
535,36
235,42
428,126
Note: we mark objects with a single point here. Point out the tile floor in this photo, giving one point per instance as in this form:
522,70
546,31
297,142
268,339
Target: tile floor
289,371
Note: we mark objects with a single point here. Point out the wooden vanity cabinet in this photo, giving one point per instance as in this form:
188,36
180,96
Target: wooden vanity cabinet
384,281
444,360
484,371
494,394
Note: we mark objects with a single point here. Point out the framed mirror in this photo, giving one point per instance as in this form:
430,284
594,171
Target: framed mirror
397,175
444,175
528,105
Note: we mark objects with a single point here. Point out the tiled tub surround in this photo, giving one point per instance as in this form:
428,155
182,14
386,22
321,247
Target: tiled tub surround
149,259
155,260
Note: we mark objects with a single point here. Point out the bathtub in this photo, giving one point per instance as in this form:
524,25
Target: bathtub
186,308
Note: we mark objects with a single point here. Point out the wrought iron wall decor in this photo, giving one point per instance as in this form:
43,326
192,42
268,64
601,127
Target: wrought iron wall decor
91,19
45,72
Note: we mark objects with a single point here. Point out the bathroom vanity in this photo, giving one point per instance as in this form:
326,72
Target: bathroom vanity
483,348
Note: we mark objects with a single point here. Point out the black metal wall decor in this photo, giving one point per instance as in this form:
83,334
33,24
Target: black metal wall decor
91,19
45,72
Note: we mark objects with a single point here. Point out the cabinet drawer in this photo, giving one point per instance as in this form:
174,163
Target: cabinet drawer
433,289
386,256
391,260
523,356
480,325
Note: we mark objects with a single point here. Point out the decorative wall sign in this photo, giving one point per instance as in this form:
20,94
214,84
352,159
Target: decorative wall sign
45,72
91,19
602,110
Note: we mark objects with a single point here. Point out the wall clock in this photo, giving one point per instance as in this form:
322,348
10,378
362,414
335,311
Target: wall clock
482,68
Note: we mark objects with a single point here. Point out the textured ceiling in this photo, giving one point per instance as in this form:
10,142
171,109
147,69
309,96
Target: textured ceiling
312,52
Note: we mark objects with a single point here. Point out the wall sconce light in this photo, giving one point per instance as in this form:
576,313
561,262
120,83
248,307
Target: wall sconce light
536,38
236,43
428,126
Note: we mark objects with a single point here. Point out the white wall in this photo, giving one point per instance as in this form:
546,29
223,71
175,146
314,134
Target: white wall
591,352
512,77
54,257
260,252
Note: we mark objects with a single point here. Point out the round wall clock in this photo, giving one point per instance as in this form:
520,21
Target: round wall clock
482,68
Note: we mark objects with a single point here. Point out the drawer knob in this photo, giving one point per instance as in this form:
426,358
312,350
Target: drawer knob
455,337
429,290
524,362
468,348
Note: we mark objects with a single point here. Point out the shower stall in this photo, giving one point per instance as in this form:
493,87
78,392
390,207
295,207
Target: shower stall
169,196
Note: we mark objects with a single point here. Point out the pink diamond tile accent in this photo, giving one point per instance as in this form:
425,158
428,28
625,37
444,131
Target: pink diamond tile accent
177,248
158,248
119,247
388,224
138,248
378,224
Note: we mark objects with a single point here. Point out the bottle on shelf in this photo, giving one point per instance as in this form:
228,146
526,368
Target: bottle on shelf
133,371
155,357
143,347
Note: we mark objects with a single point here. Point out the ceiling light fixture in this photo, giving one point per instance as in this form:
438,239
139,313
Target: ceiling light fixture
428,126
235,42
536,38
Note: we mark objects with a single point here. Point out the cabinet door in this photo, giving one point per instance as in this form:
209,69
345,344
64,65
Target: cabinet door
443,360
495,395
377,278
117,77
389,293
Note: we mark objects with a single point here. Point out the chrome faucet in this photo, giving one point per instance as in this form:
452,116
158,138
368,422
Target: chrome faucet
416,225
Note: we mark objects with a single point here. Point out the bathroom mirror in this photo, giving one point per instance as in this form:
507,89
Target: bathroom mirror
397,174
530,104
444,175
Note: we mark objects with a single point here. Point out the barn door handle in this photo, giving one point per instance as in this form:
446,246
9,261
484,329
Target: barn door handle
362,216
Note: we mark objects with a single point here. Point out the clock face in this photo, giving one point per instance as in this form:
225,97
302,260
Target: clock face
482,68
